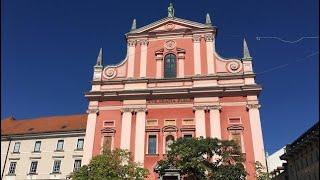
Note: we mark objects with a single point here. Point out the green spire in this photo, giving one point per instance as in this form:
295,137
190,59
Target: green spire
134,24
208,20
99,58
246,53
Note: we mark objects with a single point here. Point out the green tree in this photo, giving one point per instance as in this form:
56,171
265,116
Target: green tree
260,172
111,165
205,159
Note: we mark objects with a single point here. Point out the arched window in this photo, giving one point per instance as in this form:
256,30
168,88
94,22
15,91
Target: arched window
170,66
169,141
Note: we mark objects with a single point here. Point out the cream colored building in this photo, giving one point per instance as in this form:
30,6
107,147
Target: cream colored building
42,148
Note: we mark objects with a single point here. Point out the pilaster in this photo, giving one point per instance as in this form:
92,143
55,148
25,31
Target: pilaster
140,135
143,58
131,57
196,54
215,125
200,121
210,61
126,128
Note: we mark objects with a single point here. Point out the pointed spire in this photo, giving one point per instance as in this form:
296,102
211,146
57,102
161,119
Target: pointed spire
99,58
134,24
208,20
246,53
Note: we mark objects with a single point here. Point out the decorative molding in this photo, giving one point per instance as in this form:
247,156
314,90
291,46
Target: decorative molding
134,109
169,45
208,37
253,106
132,42
93,111
199,107
109,73
170,26
234,67
196,38
215,107
144,42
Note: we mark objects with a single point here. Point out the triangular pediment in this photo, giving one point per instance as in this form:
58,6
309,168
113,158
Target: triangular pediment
169,24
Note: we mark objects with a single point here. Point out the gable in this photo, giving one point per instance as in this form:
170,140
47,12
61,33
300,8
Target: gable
168,24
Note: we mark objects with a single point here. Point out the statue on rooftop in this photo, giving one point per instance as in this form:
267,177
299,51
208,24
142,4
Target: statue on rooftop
170,10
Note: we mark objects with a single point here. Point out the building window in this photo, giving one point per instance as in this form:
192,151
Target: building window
12,168
170,122
187,136
170,64
188,122
108,123
152,144
33,167
236,136
169,141
60,145
152,122
234,120
77,165
16,147
37,146
80,144
56,166
107,143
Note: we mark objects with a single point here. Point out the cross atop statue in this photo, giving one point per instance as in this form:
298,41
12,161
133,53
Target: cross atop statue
170,10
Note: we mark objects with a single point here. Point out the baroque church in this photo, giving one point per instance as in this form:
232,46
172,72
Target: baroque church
171,84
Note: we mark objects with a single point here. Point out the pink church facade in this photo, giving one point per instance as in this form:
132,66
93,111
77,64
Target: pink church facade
171,84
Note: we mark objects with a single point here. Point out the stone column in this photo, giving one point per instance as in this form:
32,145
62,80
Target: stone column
90,133
143,58
200,121
181,65
256,132
196,54
215,126
210,61
131,55
140,136
126,128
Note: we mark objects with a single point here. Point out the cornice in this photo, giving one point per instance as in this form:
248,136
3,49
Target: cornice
43,135
190,78
172,93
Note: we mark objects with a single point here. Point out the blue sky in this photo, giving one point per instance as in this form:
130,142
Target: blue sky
49,48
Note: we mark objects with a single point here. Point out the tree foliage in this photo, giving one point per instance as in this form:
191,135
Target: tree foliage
111,165
260,172
205,159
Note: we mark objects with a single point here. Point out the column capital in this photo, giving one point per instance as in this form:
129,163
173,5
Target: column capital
132,42
127,110
141,109
253,106
93,111
144,42
199,107
196,38
208,37
214,107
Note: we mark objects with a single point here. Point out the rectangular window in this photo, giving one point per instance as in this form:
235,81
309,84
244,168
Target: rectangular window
152,122
234,120
16,147
76,165
80,144
171,122
152,144
187,136
37,146
187,122
60,145
108,123
12,168
236,136
33,167
107,142
56,166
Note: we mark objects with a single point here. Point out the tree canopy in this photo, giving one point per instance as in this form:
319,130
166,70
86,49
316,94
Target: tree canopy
205,159
111,165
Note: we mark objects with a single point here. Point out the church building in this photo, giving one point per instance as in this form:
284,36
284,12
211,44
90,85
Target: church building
171,84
